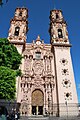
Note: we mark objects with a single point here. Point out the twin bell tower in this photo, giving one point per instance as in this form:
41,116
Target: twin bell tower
47,84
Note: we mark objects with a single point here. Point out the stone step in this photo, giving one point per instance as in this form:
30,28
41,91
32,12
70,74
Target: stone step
48,118
38,118
23,118
33,118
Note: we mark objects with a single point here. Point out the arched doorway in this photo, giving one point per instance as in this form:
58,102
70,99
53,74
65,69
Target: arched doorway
37,102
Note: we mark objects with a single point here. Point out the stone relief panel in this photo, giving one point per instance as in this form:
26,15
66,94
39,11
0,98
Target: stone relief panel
38,67
38,81
28,64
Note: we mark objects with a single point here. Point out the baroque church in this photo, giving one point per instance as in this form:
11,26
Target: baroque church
47,84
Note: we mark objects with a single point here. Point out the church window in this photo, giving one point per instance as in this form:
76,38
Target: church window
57,16
30,57
50,85
66,83
63,61
21,85
20,14
24,85
60,33
17,31
38,55
65,72
68,96
27,85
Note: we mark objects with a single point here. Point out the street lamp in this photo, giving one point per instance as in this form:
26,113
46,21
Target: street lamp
66,109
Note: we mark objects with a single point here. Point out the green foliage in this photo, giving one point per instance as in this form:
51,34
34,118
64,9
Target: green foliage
10,60
9,55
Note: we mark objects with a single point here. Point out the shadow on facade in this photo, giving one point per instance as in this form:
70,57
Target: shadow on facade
9,107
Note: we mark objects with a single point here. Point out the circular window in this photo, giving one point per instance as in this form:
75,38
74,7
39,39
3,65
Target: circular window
65,72
67,94
66,83
63,61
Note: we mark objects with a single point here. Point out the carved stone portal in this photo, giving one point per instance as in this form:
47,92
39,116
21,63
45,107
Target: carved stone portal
37,98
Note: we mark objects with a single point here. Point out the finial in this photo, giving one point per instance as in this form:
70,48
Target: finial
38,38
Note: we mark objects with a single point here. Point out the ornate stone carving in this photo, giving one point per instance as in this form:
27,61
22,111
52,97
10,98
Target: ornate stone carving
48,54
27,53
38,67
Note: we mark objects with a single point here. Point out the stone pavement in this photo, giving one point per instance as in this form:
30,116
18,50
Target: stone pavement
48,118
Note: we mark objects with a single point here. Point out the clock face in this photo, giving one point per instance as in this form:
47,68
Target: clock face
38,67
38,42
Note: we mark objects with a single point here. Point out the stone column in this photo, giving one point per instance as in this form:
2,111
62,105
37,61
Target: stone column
49,100
46,102
29,103
44,108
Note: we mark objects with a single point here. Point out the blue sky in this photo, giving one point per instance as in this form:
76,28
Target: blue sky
39,11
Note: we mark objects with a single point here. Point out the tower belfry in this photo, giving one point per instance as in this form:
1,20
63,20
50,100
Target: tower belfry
19,28
58,28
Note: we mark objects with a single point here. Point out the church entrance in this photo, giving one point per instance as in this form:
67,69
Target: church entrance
37,110
37,102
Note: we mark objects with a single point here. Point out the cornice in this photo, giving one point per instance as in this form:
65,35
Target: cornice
17,42
14,19
61,45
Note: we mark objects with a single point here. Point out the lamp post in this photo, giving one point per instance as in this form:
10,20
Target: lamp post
66,109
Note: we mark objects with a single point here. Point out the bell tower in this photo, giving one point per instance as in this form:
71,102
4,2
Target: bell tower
58,30
65,82
18,29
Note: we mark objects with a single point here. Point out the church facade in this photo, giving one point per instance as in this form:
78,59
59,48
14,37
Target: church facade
47,84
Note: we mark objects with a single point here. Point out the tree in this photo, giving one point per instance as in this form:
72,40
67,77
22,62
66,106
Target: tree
10,61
